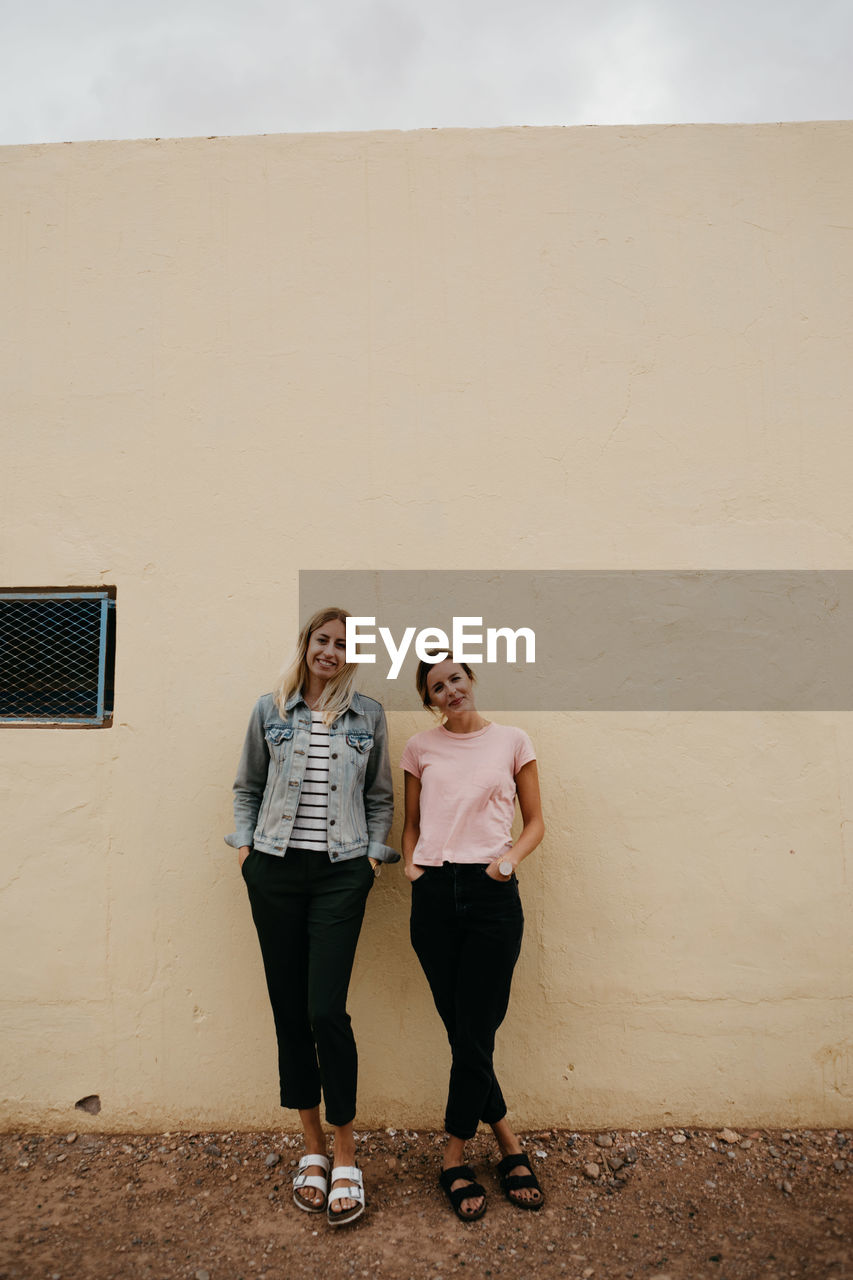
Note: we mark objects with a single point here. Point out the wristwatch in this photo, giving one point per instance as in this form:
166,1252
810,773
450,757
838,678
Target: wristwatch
505,867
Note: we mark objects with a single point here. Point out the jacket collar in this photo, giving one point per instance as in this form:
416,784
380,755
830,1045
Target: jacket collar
354,706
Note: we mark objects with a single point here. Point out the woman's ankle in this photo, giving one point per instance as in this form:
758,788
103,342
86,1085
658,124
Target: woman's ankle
507,1141
454,1152
344,1145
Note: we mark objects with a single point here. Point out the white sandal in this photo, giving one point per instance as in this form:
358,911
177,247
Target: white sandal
305,1179
354,1190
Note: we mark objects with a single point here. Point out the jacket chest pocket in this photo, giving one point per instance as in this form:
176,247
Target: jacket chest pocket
357,750
279,740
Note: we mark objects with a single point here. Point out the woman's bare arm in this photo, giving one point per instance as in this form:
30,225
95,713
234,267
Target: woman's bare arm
533,829
411,824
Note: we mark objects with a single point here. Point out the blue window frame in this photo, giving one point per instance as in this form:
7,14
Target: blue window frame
57,656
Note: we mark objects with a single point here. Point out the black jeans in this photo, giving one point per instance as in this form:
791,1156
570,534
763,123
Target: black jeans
466,929
308,913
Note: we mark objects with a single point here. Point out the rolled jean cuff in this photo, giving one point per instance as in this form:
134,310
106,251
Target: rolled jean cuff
301,1105
456,1130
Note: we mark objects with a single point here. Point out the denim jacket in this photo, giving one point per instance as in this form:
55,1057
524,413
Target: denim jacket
272,768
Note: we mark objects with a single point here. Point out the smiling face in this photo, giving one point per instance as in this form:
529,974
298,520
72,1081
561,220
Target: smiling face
326,651
450,689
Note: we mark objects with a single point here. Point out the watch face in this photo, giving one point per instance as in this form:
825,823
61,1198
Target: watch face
505,868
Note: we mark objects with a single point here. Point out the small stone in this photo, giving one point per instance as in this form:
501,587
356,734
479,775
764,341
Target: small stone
631,1155
272,1160
777,1155
678,1139
591,1170
202,1275
212,1150
839,1165
541,1155
615,1162
732,1155
587,1272
728,1135
787,1187
745,1144
70,1137
603,1140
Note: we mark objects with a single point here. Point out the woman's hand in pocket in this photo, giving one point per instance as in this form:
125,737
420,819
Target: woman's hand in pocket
494,874
243,853
414,872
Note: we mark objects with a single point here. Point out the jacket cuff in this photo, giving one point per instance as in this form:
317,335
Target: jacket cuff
382,852
238,840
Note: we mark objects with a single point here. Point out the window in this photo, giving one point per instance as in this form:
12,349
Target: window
57,656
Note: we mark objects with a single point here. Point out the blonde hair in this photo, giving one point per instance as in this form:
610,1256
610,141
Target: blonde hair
338,692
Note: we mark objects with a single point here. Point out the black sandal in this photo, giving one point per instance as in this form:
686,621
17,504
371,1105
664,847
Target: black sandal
519,1182
470,1192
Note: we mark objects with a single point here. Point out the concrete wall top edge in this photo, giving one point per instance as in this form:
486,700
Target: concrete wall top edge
426,131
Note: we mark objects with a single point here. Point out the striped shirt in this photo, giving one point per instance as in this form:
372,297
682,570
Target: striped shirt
309,825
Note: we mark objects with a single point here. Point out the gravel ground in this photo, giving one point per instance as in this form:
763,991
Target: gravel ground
689,1205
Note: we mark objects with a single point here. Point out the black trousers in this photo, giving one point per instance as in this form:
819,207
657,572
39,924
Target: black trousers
466,929
308,913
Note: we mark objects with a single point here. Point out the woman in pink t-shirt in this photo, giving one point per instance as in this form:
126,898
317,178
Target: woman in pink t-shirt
462,780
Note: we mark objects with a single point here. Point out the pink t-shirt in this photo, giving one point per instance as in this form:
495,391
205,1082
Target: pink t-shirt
467,791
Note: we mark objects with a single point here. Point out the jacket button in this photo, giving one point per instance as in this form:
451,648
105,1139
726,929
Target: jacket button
334,755
288,816
331,822
333,787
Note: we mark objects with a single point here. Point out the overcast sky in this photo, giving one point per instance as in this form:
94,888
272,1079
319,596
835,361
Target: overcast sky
73,69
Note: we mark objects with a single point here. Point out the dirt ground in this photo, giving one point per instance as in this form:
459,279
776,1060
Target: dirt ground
691,1205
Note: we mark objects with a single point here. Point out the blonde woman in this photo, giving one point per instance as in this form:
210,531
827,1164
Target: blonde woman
462,780
312,808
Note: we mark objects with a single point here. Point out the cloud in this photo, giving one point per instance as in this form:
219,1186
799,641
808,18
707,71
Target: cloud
217,66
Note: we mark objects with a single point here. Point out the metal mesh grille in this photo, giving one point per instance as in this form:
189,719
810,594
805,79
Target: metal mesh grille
52,658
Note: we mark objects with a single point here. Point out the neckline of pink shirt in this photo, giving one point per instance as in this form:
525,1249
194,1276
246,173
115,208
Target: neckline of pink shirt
475,734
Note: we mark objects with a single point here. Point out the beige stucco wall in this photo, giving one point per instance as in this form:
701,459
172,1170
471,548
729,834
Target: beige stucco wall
229,359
